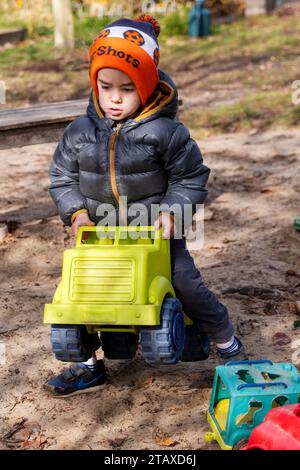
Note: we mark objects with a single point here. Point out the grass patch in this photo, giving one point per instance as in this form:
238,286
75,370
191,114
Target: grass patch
245,37
28,51
261,111
40,44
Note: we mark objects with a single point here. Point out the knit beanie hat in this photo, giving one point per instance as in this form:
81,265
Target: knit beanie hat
130,46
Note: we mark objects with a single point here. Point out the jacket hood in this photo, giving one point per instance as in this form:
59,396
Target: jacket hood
163,102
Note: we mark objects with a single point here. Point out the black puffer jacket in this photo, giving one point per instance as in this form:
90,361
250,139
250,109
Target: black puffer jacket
151,159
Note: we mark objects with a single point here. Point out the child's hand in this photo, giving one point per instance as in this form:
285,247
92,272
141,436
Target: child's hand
166,220
81,219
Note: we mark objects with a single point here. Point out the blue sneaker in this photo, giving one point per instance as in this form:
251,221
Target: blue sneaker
238,354
78,378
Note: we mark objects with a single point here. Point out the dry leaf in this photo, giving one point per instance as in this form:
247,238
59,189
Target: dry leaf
162,439
168,442
32,443
148,381
35,442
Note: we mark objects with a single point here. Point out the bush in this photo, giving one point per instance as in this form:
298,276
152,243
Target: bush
226,7
176,24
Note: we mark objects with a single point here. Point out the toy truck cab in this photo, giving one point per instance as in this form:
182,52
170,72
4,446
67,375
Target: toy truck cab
243,392
117,280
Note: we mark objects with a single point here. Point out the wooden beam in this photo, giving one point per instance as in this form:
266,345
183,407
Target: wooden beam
39,124
43,114
12,35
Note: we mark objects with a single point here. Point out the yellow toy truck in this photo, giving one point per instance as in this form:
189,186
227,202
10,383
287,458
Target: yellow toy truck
117,280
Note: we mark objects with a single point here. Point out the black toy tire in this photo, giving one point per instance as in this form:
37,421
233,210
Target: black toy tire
119,345
196,345
73,343
164,344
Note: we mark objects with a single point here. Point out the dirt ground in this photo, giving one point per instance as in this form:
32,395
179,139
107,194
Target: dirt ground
250,245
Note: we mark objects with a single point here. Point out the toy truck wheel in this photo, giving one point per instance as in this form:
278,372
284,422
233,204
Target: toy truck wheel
196,345
163,344
118,345
72,343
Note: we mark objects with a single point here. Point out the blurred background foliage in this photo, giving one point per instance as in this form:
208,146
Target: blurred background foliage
226,7
237,78
172,13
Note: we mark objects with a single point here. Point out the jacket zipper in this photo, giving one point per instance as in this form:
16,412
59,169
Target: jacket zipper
112,170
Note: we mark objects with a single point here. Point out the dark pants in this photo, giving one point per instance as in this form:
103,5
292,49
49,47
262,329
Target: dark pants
199,303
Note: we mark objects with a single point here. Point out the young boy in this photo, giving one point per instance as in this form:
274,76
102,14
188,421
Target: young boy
130,144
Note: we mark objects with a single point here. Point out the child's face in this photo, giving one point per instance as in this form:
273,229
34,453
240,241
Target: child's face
118,96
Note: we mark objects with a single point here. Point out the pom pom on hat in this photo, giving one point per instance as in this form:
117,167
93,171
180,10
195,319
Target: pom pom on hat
149,19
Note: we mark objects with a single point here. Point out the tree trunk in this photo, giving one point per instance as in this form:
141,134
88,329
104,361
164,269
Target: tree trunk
64,29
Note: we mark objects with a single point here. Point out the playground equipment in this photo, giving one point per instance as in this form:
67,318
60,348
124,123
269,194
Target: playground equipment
199,20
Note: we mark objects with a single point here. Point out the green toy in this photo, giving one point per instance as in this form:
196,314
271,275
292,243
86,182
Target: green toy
297,224
243,392
117,280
